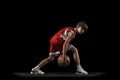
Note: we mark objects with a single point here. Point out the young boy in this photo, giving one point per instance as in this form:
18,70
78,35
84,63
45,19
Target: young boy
60,43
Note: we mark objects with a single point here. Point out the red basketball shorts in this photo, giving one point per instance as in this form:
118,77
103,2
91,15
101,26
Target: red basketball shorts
56,46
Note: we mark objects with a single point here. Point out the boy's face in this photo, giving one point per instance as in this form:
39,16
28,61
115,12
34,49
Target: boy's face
80,30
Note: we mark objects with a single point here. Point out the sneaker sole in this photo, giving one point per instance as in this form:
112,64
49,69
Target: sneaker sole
81,73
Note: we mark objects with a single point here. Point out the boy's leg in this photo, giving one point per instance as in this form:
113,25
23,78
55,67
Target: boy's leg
54,51
77,60
36,69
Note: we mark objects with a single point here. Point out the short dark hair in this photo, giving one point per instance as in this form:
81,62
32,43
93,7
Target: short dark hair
83,25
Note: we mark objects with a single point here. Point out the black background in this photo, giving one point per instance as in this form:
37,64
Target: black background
28,29
30,41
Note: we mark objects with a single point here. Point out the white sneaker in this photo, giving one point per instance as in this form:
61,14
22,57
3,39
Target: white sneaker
81,70
36,71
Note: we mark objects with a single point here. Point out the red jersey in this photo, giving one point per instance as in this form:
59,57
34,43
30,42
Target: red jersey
56,42
62,34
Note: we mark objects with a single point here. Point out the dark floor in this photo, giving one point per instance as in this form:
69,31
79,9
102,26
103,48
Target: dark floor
91,75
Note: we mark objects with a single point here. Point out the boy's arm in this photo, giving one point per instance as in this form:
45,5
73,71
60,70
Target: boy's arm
66,43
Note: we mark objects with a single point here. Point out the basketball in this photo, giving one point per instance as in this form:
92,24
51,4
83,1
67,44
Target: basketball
67,61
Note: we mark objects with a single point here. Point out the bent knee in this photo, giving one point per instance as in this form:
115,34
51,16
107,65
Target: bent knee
74,49
50,58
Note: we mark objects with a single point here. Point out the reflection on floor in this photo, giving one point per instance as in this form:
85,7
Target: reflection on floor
52,75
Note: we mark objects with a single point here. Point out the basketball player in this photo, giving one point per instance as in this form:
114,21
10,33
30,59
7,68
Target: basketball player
60,43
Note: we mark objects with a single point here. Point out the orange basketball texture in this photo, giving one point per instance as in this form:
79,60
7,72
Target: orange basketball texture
67,61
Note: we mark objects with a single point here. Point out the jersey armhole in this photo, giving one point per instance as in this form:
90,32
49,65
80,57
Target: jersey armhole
70,31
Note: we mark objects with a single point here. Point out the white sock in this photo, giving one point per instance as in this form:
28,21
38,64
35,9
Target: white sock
36,67
79,66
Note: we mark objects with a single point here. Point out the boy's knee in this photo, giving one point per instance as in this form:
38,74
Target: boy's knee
74,49
50,58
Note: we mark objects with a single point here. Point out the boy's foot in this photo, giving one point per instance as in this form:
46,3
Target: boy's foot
36,71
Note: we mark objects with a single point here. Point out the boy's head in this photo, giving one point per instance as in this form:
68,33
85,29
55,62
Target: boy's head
81,27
